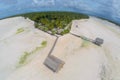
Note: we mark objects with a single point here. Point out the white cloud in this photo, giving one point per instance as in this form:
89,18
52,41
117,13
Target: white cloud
44,2
116,6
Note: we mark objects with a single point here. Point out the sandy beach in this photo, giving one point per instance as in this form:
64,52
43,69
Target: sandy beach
83,59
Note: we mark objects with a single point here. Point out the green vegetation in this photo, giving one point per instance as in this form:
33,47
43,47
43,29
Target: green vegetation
85,43
24,57
30,14
19,30
54,22
44,43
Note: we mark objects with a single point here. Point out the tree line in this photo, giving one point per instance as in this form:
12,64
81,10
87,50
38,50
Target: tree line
54,22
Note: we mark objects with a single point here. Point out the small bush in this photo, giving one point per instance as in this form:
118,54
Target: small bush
65,31
85,43
19,30
44,43
24,57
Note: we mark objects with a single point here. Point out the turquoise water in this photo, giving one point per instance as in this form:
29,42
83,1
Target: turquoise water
108,9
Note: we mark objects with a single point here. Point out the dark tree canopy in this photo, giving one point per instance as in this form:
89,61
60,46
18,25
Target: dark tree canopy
54,21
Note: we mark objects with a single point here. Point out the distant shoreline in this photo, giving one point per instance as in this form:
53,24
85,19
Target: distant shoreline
118,24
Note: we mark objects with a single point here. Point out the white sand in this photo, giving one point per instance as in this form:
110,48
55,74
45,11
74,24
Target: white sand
83,60
93,28
13,46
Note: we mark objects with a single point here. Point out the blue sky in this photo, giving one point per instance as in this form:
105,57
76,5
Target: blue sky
103,8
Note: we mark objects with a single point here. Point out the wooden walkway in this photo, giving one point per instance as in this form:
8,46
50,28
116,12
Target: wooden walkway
53,45
97,41
52,62
55,64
